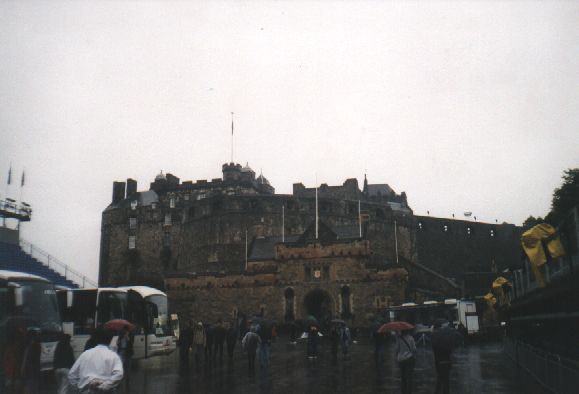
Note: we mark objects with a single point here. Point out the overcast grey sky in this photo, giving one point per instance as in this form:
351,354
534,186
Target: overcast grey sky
463,105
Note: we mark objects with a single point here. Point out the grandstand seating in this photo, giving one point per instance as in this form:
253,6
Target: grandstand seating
13,258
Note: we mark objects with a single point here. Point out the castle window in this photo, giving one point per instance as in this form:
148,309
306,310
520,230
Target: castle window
445,228
167,219
172,202
154,205
468,231
345,297
167,239
132,223
186,197
134,204
420,226
132,241
492,232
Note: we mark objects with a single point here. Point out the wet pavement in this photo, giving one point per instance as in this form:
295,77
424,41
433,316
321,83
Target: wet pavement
479,368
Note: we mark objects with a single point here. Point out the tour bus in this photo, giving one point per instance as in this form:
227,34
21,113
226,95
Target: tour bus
28,302
85,309
424,315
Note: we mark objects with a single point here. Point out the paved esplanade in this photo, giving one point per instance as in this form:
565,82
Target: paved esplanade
477,369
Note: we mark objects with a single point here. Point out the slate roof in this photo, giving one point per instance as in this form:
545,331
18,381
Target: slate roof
382,189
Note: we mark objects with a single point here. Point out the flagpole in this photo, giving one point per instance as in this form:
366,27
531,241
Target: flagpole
282,223
396,241
21,186
360,218
317,216
246,249
231,138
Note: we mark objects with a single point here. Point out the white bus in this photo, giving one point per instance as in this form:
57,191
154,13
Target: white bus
85,309
29,302
424,315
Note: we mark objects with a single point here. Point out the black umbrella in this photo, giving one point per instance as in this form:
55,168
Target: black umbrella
445,339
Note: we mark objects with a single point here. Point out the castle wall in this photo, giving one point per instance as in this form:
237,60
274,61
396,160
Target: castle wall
488,247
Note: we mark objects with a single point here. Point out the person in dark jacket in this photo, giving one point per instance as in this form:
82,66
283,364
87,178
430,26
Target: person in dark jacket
31,363
125,352
209,340
231,339
219,333
264,332
185,343
334,342
63,361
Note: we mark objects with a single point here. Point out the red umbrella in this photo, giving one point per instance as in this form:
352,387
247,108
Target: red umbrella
395,326
119,324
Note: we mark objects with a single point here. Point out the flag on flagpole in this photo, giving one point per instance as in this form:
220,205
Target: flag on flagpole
10,174
22,179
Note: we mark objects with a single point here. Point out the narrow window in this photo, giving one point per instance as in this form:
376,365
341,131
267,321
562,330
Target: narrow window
167,219
132,223
172,202
132,241
289,304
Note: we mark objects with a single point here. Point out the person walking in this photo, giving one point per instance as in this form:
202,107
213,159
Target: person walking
219,333
125,352
185,344
99,369
405,356
334,342
231,339
12,360
199,341
264,333
250,344
443,340
209,339
63,361
31,363
313,341
345,339
379,339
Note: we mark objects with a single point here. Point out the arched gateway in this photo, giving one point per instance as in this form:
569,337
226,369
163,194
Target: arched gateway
319,303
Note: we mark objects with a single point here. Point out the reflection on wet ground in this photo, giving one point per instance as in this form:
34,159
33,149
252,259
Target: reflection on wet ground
480,368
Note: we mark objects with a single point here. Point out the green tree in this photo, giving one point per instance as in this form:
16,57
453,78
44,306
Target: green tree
532,221
565,198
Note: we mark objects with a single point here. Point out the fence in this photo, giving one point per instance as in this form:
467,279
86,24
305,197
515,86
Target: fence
56,265
555,373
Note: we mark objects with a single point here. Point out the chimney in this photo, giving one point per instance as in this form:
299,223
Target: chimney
131,187
118,191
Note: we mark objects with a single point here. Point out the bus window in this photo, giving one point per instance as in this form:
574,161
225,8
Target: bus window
82,312
159,314
112,305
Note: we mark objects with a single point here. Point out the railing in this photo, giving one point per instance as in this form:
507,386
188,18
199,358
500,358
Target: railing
555,373
56,265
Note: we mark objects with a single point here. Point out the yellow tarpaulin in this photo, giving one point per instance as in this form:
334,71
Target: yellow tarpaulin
499,282
490,299
532,239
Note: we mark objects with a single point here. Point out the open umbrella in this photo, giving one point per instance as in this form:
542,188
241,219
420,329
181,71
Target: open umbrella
445,339
395,326
119,324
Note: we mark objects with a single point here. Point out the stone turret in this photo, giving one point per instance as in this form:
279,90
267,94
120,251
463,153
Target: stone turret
231,172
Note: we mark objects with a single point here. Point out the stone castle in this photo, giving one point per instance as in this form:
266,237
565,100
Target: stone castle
232,245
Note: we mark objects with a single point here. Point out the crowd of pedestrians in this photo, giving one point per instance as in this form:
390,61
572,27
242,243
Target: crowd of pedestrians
105,363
